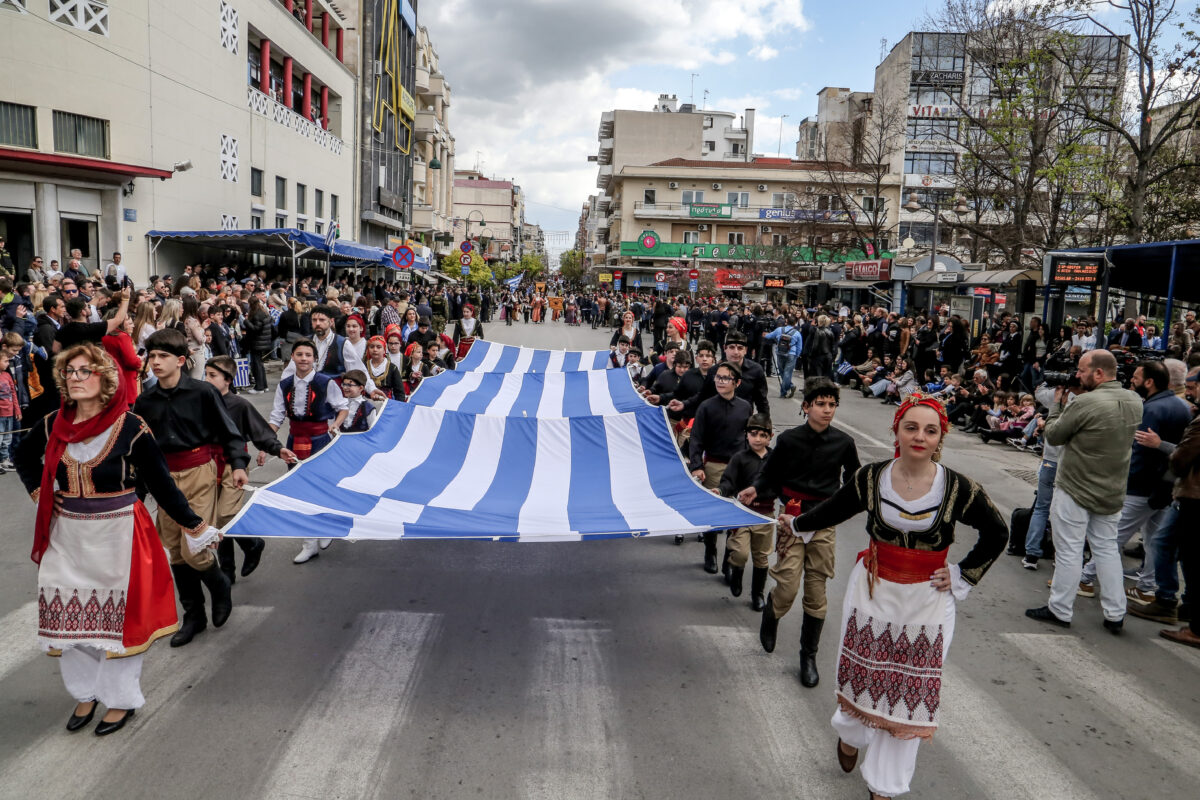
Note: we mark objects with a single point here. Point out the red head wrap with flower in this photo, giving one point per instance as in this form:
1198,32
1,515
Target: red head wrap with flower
358,319
376,340
917,399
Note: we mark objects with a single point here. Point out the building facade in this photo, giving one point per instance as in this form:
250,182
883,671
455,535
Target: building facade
433,163
488,209
97,146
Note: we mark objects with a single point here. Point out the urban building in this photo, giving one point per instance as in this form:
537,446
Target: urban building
836,132
387,121
172,117
533,239
490,210
433,162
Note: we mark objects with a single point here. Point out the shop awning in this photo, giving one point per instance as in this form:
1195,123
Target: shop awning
281,242
1000,277
849,284
932,279
62,165
442,276
803,284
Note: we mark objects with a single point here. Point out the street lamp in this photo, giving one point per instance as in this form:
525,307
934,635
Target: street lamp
914,204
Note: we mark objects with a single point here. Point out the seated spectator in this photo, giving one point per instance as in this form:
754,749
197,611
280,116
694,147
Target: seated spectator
1018,413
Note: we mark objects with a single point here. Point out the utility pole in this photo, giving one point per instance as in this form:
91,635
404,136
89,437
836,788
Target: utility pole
779,146
692,97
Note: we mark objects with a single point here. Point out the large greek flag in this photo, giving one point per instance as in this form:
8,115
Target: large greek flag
513,455
491,357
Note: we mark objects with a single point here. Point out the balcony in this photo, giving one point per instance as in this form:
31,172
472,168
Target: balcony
421,81
268,107
606,151
725,213
419,174
734,156
606,125
422,218
604,178
427,126
438,87
738,132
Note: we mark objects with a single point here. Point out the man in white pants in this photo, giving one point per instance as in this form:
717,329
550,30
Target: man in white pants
1095,431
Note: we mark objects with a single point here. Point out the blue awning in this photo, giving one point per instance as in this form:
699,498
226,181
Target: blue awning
282,242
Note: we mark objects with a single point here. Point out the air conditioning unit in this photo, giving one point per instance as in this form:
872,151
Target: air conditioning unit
701,227
672,185
766,228
810,190
860,192
762,187
716,186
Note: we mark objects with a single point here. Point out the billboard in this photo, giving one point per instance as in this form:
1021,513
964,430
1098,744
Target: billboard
806,215
878,270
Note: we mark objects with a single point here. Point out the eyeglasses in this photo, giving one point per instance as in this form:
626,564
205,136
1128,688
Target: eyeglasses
70,291
81,373
351,383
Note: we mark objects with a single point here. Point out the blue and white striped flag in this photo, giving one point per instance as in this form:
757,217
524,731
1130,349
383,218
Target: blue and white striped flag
492,357
515,281
549,395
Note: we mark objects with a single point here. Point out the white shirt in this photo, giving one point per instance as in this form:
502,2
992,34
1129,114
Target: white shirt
1085,343
352,404
333,395
115,269
352,358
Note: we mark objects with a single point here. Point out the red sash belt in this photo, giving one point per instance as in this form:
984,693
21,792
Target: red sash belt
464,344
900,564
197,456
795,502
309,430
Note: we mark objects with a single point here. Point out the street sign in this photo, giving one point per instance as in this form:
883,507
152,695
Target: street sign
660,285
617,274
404,276
616,284
693,274
466,270
466,247
660,277
403,257
637,283
465,260
693,285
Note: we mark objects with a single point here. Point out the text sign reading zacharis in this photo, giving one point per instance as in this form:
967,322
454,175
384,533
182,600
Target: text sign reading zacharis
1076,270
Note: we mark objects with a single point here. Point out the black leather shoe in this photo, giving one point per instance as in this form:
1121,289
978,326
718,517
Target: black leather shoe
710,553
1114,626
1044,614
252,557
768,628
225,560
105,728
191,597
222,600
810,637
735,580
758,580
76,722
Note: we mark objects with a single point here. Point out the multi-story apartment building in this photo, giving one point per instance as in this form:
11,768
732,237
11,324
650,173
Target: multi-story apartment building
533,239
836,132
147,115
387,121
682,213
488,209
433,165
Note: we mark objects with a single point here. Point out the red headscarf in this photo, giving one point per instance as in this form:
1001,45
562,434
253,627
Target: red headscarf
393,330
408,351
917,399
66,431
357,319
378,339
679,325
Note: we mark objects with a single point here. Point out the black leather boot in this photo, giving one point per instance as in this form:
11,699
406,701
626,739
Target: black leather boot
225,560
710,552
191,597
735,580
810,638
222,598
758,582
768,627
253,550
725,568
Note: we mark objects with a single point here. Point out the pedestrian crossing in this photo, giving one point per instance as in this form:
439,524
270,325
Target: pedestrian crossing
769,736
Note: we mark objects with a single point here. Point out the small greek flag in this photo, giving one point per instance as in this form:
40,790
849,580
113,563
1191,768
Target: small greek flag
335,233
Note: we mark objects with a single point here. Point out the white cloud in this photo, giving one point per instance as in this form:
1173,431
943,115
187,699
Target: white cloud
529,78
763,52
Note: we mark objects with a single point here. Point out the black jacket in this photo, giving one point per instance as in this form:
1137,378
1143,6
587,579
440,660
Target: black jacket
742,472
259,333
753,388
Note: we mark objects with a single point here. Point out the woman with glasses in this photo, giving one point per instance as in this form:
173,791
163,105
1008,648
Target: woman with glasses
105,592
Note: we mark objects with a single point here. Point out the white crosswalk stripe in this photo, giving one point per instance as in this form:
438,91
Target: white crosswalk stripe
570,704
1188,654
369,691
1004,759
18,638
38,771
792,747
1122,697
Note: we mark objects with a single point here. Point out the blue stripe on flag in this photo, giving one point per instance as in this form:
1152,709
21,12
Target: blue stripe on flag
427,481
590,505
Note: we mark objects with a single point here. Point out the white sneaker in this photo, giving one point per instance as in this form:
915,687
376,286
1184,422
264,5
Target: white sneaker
309,550
325,543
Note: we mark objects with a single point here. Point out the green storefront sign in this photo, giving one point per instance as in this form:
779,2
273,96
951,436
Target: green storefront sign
710,210
736,252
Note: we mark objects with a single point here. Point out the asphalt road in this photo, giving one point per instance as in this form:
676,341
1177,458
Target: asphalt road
585,670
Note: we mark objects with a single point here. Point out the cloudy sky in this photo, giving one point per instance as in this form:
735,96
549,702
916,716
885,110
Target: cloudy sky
531,77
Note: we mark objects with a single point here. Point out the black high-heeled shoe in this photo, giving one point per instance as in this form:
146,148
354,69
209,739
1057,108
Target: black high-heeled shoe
76,722
105,728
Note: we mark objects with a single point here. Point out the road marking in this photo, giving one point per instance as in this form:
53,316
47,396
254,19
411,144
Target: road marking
570,706
840,423
1120,696
18,638
38,771
790,748
370,690
1002,758
1189,654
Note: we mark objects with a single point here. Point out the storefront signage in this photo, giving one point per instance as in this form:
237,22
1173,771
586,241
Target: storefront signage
408,106
806,215
130,214
605,277
1076,271
877,270
774,281
978,112
947,277
710,210
937,77
732,278
767,254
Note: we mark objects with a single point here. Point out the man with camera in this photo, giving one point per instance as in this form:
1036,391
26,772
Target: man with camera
1094,432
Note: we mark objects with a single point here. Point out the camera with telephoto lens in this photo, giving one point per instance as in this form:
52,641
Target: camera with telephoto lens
1057,379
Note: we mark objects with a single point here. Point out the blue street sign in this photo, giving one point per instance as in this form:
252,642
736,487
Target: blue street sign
693,285
661,286
637,283
466,247
466,270
616,284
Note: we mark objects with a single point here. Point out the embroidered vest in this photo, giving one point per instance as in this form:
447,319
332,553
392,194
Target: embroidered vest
358,422
316,405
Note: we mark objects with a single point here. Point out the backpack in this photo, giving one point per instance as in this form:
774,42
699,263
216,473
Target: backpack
785,339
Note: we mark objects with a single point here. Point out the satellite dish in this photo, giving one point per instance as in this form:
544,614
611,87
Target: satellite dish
909,243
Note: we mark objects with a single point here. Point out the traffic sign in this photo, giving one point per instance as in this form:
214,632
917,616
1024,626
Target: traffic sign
403,257
693,274
617,274
660,277
466,270
616,284
466,246
637,283
465,260
660,285
693,286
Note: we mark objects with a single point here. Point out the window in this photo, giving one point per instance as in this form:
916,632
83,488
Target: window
872,204
318,203
86,15
256,221
941,52
929,163
1094,55
783,200
710,147
927,198
737,237
256,182
739,199
85,136
280,192
333,207
736,148
648,197
318,227
301,197
281,221
926,128
18,125
708,122
253,67
829,202
690,196
931,96
300,224
779,240
691,237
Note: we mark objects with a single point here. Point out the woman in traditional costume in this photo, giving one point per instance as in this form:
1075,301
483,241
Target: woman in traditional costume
898,613
466,331
386,376
105,592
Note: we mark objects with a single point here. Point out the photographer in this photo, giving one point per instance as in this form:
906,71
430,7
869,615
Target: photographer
1185,464
1094,432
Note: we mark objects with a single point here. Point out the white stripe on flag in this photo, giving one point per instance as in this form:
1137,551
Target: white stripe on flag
599,397
478,468
18,638
506,397
545,507
556,361
554,389
630,482
386,520
452,397
491,357
385,470
524,359
373,686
